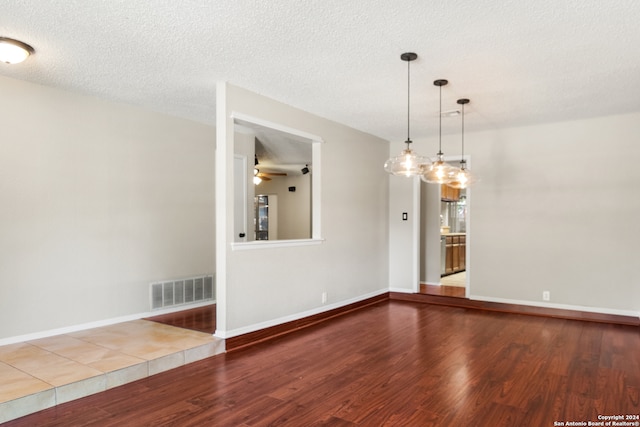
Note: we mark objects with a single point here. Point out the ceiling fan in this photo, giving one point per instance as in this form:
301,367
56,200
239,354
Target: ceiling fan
265,176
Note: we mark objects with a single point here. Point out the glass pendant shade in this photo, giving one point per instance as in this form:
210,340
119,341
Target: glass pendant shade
463,178
439,172
407,163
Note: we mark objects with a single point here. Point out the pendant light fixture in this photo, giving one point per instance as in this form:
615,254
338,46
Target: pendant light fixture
408,163
463,178
14,51
440,172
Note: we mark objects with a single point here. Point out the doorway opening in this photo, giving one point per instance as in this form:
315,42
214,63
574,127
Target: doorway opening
444,248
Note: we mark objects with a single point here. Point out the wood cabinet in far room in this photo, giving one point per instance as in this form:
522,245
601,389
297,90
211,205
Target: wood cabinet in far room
449,194
456,253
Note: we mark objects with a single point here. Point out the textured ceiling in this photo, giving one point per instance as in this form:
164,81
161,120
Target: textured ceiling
519,62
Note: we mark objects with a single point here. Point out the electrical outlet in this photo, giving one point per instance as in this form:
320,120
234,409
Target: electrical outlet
546,295
324,297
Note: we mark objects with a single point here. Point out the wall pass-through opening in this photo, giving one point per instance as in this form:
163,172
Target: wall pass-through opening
278,184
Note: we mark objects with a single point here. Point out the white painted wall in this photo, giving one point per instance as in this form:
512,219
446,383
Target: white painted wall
541,214
404,236
430,249
268,286
97,200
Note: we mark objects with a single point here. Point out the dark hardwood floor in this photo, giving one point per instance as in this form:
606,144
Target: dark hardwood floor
393,363
201,319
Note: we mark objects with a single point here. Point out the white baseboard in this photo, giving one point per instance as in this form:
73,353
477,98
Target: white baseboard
98,323
599,310
267,324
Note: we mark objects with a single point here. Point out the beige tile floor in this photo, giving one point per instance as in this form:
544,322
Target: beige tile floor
42,373
457,279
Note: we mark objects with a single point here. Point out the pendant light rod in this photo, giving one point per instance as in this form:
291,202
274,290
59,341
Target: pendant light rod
462,102
463,178
408,56
440,83
408,102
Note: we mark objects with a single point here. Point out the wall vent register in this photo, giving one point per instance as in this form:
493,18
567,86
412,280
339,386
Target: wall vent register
182,292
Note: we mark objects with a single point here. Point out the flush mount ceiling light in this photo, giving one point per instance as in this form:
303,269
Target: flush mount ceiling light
440,172
463,178
14,51
407,163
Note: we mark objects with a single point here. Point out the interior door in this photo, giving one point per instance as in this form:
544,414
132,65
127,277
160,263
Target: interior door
239,198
